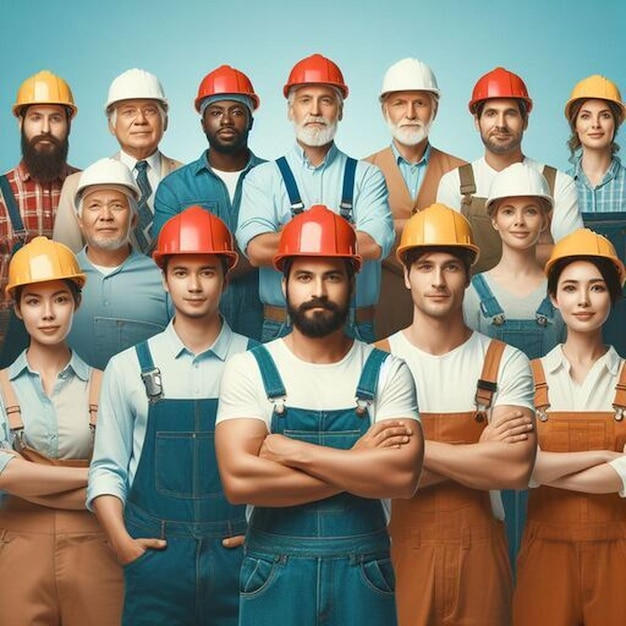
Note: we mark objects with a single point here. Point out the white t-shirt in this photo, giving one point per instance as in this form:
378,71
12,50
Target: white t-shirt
230,179
565,217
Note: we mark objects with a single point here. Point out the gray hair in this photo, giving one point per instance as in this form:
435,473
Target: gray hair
112,112
292,93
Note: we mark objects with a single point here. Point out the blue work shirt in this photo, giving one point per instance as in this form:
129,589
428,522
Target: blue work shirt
118,310
123,407
412,172
265,208
609,195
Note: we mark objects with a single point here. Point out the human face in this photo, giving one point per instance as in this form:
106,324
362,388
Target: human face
409,115
195,283
582,297
226,125
501,125
595,125
42,124
138,126
315,111
106,218
318,292
46,309
519,221
437,281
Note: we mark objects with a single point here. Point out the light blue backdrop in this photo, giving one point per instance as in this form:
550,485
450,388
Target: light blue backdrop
551,43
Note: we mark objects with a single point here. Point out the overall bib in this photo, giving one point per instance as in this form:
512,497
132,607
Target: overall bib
56,568
572,565
326,562
535,338
448,550
177,495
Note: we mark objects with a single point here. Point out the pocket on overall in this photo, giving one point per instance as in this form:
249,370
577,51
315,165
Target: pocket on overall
378,574
256,574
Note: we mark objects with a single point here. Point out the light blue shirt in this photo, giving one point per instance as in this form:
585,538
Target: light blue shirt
118,310
265,208
412,172
609,195
56,425
123,409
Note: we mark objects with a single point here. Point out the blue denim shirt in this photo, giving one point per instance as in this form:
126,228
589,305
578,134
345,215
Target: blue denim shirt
608,196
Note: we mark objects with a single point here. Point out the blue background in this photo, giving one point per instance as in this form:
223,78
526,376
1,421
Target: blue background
551,44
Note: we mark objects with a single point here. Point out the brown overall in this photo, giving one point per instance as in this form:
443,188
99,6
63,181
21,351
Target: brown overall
448,550
55,566
571,569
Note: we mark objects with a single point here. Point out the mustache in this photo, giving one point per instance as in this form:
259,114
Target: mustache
317,303
317,119
49,138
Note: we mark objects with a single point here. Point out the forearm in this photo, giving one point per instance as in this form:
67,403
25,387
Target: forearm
25,479
551,466
598,479
367,247
72,500
262,249
429,478
110,513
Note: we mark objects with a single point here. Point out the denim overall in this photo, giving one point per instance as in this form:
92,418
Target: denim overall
325,562
535,338
177,495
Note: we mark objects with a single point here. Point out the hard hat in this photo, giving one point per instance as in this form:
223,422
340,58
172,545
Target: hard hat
195,231
499,83
42,260
226,80
437,226
317,232
585,243
135,84
106,172
409,75
316,70
518,180
44,88
595,87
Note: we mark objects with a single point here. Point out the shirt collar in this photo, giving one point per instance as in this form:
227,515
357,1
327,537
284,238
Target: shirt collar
328,159
22,172
203,164
555,359
220,346
75,364
400,159
154,161
610,174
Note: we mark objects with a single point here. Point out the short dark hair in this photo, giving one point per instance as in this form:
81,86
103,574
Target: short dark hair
222,258
288,263
522,105
465,255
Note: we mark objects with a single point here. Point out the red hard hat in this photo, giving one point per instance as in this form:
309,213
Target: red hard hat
499,83
316,69
225,80
195,231
317,232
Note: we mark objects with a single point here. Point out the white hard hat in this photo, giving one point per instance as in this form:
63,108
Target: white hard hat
107,172
135,84
409,75
518,180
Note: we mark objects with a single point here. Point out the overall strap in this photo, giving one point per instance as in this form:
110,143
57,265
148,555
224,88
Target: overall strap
467,186
542,401
489,305
15,216
549,173
545,312
297,206
95,381
487,384
252,343
11,406
347,193
150,375
619,403
368,382
272,382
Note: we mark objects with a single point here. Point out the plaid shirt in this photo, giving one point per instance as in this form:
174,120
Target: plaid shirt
610,193
37,203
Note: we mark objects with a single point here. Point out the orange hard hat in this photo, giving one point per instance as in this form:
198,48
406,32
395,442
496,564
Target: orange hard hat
317,232
226,80
44,88
318,70
499,83
595,87
195,231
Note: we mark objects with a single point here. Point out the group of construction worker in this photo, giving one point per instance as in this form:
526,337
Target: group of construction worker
317,389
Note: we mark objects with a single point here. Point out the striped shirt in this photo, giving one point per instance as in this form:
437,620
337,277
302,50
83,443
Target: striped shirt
609,195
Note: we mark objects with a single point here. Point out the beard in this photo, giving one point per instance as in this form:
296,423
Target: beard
500,147
315,137
409,135
237,146
45,163
321,323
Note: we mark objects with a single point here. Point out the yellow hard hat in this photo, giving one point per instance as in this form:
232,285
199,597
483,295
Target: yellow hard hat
585,243
595,87
44,88
42,260
437,226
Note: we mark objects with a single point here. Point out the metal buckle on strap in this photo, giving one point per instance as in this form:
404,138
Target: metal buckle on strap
361,406
21,234
297,208
19,443
542,320
279,405
619,412
542,415
498,320
152,382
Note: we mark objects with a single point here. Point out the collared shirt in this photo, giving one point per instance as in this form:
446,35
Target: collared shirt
153,171
609,195
265,208
119,309
37,202
56,425
412,172
123,409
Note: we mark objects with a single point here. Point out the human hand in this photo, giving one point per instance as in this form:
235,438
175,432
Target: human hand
135,548
384,434
512,427
233,542
277,448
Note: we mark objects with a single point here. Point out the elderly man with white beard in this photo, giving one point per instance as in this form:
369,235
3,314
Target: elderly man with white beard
412,167
314,172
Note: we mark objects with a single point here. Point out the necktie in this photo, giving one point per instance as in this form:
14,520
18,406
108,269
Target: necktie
142,229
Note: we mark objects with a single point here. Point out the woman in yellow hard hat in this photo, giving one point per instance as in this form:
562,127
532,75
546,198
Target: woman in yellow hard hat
55,567
572,564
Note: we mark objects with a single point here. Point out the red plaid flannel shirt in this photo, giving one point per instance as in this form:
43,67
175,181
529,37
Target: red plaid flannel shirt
38,206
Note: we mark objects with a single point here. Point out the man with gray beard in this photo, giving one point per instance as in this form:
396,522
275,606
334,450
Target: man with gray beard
412,167
123,301
315,172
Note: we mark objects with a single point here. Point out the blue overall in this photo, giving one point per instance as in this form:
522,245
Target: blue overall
535,337
177,495
326,562
364,331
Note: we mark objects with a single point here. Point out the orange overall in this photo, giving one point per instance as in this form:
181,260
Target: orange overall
572,564
55,566
449,551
